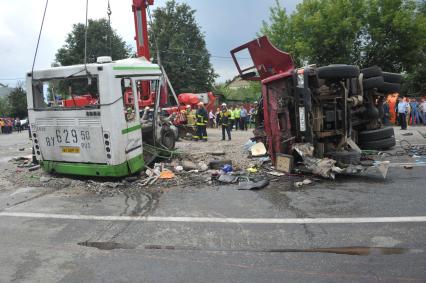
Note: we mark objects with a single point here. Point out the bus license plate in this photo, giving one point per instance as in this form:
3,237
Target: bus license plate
70,150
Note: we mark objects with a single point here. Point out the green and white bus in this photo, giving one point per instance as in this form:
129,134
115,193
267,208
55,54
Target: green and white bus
85,119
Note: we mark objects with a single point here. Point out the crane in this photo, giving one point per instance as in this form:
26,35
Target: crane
139,8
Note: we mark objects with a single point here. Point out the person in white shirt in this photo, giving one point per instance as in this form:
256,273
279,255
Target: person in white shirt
402,109
423,111
212,119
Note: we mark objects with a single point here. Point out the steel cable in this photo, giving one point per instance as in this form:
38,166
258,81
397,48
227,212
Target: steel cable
39,35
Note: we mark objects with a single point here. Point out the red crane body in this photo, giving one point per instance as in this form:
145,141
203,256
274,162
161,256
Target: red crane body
139,8
146,98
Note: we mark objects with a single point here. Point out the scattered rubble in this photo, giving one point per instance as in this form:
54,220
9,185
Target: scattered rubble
249,184
218,164
303,183
45,179
258,149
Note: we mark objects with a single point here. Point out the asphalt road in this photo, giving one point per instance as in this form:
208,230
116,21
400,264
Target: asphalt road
222,234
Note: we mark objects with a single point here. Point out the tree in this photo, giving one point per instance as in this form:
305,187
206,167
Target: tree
394,35
17,101
181,47
5,109
99,34
244,94
280,30
320,31
387,33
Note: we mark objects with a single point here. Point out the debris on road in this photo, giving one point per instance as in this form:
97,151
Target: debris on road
202,166
258,149
284,163
248,145
275,173
217,153
178,168
34,167
229,179
227,168
166,174
252,169
218,164
189,165
302,183
45,179
249,184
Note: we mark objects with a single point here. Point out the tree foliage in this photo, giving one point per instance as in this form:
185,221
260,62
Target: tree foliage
5,109
244,94
18,102
387,33
182,48
15,104
101,41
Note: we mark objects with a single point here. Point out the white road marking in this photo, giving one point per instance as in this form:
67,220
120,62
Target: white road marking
331,220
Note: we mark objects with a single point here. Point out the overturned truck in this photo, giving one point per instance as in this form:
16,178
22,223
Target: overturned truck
336,108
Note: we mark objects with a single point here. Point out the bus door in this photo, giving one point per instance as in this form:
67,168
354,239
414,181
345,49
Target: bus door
132,132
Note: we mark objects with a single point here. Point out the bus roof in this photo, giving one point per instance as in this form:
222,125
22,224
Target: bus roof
130,66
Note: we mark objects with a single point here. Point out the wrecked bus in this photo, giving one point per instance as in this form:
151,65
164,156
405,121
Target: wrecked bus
85,119
336,108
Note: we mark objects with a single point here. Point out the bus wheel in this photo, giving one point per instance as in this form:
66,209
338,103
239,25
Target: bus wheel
168,139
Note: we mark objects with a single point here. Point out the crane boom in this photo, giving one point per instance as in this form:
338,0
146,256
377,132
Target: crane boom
141,27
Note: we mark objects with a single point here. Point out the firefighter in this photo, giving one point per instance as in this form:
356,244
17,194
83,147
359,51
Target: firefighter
201,118
225,120
186,113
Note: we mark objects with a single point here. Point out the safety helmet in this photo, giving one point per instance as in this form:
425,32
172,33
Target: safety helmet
224,104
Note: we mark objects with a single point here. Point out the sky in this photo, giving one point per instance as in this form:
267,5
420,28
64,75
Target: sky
225,23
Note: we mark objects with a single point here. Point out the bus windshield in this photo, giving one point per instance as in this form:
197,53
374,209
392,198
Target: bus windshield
66,93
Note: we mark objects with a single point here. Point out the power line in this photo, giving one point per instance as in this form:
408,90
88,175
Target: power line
39,35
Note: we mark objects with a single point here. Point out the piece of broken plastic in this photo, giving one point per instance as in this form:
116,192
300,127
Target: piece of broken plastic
250,185
258,149
225,178
252,170
247,146
166,174
304,149
227,168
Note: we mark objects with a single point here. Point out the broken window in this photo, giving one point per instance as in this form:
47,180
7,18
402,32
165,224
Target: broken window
66,94
128,99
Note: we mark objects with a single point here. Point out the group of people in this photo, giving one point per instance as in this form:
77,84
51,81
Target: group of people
410,112
228,118
7,125
240,117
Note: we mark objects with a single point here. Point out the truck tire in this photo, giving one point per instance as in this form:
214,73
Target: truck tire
389,88
374,82
168,139
346,157
338,72
392,77
371,72
378,144
374,135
